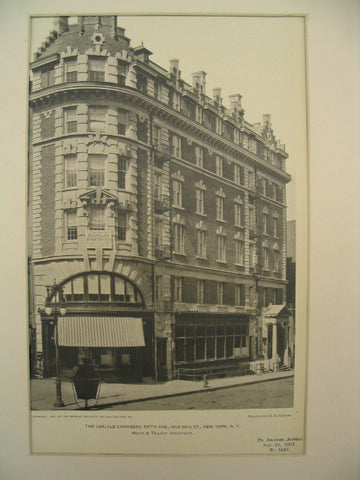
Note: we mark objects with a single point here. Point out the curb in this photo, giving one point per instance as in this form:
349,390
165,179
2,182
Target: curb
179,394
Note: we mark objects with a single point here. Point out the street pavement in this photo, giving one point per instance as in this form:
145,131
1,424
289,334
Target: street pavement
42,391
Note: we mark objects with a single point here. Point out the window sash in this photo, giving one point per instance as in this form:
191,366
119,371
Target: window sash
238,212
96,119
179,238
199,201
219,208
96,170
121,226
122,170
221,247
239,252
71,225
70,171
219,166
97,218
177,187
201,245
70,122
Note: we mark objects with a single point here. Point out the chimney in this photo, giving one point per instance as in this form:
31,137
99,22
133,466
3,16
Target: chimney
267,120
235,102
199,81
217,95
174,67
61,24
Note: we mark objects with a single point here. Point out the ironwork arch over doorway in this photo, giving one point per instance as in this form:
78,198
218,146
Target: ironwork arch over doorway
99,287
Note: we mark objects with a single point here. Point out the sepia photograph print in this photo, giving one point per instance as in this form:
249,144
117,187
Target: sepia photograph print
167,233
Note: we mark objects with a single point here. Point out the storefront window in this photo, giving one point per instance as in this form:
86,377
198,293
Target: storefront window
202,342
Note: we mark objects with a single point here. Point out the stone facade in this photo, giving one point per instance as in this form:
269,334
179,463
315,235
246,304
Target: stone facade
140,177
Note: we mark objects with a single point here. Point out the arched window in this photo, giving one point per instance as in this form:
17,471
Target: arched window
102,287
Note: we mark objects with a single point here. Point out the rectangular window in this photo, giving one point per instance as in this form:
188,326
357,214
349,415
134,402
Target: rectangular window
237,174
279,194
156,136
219,208
239,252
156,90
200,291
97,218
199,201
199,155
47,77
266,258
251,181
177,188
252,255
96,119
179,238
70,122
70,171
219,166
158,287
122,72
158,233
240,295
276,261
141,83
70,70
265,223
200,241
220,293
263,186
176,145
238,214
157,186
122,169
96,170
122,121
70,225
96,69
177,289
251,217
276,223
221,248
121,226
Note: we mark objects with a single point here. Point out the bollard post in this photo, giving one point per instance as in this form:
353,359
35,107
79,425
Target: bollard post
206,381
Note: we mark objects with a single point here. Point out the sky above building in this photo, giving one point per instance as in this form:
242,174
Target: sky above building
262,58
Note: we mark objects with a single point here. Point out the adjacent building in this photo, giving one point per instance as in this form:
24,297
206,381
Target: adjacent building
161,213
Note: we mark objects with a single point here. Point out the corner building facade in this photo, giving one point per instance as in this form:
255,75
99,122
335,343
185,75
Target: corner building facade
159,211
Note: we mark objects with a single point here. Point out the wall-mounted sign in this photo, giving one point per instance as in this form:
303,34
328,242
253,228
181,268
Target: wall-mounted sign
98,238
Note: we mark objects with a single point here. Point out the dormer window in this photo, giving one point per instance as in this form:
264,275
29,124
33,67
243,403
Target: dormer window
47,77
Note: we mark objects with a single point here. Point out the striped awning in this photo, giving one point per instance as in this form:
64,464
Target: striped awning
90,331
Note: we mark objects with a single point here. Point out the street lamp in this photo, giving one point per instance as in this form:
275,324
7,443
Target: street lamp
56,292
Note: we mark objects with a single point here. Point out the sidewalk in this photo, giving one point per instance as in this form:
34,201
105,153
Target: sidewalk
43,390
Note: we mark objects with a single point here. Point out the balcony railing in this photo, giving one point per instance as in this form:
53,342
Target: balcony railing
162,252
162,152
162,203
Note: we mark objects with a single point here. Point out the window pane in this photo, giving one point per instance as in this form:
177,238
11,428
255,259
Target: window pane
179,331
105,287
130,293
180,350
200,348
190,344
97,218
229,346
220,347
93,284
210,347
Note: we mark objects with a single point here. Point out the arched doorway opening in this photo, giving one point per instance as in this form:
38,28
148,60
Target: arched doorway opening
105,319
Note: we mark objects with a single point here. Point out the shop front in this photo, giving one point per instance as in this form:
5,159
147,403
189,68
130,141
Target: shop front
211,340
110,325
